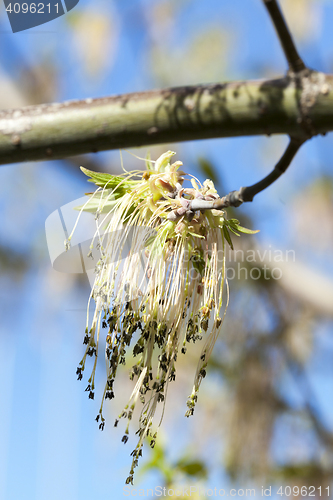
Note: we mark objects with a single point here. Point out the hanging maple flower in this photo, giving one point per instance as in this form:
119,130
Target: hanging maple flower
159,282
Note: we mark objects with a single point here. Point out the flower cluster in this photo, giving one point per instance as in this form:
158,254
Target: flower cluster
159,282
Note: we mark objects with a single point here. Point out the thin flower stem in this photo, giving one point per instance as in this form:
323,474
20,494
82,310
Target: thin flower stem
179,302
248,193
244,194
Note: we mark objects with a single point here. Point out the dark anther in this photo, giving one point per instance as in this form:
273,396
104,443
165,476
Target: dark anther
204,324
101,426
124,439
189,215
79,373
109,395
189,412
116,423
91,395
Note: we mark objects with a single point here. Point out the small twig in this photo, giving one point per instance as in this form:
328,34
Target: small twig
295,62
236,198
248,193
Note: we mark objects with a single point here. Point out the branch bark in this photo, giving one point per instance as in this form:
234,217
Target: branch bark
299,108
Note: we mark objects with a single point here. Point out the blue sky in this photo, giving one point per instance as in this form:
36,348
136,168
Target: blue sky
50,446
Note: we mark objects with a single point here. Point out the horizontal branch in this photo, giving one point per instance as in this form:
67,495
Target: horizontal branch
283,106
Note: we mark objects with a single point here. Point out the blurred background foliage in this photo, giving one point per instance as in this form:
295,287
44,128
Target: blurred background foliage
265,409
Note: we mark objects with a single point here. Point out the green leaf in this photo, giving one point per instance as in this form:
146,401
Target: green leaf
246,231
233,230
110,181
97,177
227,237
234,224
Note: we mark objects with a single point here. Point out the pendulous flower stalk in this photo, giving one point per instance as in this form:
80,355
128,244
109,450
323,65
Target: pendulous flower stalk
159,283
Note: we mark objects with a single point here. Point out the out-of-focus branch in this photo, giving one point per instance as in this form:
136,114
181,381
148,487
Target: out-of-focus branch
295,62
307,285
297,279
310,403
11,95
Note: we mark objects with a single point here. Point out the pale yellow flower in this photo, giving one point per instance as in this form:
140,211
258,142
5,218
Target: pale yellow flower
159,282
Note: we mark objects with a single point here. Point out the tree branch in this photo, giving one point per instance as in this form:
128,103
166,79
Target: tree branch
236,198
311,406
248,193
295,62
233,109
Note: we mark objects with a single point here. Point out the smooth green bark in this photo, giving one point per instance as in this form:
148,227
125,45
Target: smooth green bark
299,107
